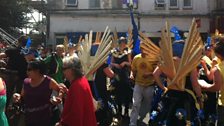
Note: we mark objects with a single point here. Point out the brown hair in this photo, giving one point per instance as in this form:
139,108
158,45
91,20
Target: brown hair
219,48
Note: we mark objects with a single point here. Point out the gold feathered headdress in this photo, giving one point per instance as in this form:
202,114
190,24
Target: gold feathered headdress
191,56
92,63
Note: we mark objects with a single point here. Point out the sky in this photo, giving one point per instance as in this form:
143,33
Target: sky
34,17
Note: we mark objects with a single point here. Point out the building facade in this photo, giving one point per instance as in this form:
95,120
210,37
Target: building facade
80,16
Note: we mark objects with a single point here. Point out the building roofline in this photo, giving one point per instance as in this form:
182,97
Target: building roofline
121,12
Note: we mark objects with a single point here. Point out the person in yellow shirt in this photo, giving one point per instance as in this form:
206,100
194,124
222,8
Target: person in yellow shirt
218,81
142,70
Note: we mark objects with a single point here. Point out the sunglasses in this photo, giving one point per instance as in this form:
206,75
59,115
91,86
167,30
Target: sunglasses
30,69
65,68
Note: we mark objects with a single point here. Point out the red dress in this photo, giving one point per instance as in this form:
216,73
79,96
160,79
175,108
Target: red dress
78,108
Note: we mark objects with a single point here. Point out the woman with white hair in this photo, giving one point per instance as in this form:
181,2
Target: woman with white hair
78,108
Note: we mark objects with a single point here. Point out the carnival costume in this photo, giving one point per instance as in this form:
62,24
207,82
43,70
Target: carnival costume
121,80
178,105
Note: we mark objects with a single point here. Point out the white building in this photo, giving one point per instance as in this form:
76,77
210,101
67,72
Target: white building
78,16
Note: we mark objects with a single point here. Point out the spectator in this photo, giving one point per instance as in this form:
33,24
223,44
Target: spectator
54,64
36,95
16,62
78,108
218,78
3,119
58,56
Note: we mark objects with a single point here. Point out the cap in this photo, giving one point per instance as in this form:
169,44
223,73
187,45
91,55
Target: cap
122,39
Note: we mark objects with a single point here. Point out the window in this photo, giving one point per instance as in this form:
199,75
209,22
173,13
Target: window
94,3
174,4
110,4
71,2
160,4
187,3
106,4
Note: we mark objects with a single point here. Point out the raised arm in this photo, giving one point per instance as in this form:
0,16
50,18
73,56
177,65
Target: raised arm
217,82
156,74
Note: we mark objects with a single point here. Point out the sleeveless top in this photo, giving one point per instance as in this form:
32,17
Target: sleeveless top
120,57
3,118
37,102
220,67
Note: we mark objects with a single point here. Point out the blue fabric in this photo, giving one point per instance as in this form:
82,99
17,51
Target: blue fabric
109,59
175,30
96,91
208,43
93,50
136,41
28,42
178,48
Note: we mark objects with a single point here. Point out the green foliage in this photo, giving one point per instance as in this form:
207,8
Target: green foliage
13,14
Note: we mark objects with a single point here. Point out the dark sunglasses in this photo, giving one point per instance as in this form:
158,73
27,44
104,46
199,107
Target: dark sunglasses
65,68
30,69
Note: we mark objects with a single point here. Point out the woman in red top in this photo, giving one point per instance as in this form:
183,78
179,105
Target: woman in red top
78,108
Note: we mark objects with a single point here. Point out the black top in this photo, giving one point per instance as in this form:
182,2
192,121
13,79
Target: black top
188,83
119,56
100,78
16,62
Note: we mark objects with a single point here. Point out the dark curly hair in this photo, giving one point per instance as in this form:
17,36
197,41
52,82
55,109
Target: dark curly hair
219,48
22,41
37,65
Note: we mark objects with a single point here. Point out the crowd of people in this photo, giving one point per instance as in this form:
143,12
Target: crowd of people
52,90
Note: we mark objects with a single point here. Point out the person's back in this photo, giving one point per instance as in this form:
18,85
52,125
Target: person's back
37,105
16,62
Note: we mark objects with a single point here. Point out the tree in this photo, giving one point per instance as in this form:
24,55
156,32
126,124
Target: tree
13,14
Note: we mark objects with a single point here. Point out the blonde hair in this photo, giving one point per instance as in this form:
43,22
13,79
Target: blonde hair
60,47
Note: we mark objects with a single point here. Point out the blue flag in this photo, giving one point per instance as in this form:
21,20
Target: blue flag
136,41
28,43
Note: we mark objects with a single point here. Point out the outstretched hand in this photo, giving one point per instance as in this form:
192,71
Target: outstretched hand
16,97
55,100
